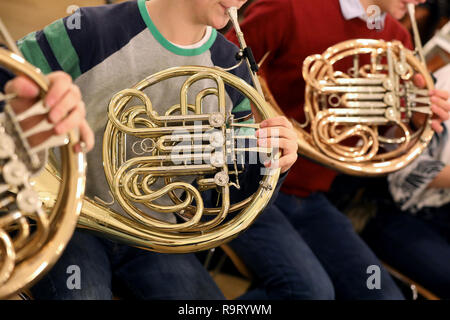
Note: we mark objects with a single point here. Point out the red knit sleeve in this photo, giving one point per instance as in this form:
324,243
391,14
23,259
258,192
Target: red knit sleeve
406,39
265,26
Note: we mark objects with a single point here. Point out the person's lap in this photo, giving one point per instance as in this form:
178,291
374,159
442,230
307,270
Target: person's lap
342,253
308,245
417,247
87,254
283,265
157,276
144,274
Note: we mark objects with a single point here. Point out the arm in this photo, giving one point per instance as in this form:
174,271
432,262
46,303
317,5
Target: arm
63,98
60,51
408,185
63,46
67,111
442,180
428,171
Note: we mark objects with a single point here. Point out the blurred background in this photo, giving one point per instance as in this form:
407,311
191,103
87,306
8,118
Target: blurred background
24,16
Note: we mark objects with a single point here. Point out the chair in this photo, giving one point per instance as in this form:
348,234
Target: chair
417,290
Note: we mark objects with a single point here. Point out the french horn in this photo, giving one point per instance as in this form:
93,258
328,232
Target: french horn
171,178
372,119
33,234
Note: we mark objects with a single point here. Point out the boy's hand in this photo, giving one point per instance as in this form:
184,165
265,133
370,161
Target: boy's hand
440,105
67,110
279,132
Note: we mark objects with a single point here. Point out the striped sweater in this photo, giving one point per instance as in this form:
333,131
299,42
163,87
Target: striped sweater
110,48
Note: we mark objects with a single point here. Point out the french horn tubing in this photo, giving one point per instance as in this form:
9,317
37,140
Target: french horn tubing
164,169
370,120
34,229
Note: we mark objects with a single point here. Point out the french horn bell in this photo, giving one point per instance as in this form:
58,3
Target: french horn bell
33,234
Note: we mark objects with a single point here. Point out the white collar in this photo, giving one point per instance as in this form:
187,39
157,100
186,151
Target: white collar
200,43
352,9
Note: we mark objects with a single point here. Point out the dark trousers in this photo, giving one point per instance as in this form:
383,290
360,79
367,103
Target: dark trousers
304,248
140,274
416,245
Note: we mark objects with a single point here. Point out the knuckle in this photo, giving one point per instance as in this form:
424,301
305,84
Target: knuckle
293,144
78,116
81,107
290,125
66,77
292,135
10,86
76,91
59,76
60,129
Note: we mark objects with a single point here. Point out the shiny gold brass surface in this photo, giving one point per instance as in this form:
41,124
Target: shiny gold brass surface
371,119
183,153
31,242
137,183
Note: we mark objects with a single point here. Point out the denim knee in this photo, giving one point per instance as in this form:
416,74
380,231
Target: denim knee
322,289
82,273
155,276
295,286
50,288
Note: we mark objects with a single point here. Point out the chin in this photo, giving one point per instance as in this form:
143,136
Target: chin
219,24
399,14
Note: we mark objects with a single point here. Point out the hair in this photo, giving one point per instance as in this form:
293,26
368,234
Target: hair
438,9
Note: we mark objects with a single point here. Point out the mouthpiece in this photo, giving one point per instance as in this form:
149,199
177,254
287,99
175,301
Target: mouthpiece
417,41
232,13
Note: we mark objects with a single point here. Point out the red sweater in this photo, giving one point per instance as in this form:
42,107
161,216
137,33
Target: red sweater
292,30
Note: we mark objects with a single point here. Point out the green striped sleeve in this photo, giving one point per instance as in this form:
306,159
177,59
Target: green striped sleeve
62,48
33,53
243,106
246,131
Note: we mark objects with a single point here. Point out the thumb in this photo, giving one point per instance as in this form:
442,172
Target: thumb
419,80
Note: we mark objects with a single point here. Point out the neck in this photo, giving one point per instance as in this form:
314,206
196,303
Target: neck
367,3
176,21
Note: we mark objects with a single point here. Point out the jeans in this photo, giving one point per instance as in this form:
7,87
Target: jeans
307,249
139,274
418,246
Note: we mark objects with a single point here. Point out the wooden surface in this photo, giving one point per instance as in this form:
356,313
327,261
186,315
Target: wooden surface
24,16
231,286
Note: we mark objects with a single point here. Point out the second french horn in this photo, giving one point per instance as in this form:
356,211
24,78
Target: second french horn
371,119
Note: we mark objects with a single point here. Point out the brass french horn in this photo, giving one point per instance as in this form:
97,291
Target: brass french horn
372,119
31,237
171,178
